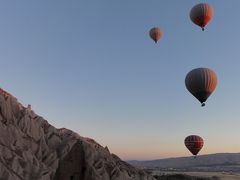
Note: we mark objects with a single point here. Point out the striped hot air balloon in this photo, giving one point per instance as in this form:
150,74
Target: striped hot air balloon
201,14
155,33
201,82
194,144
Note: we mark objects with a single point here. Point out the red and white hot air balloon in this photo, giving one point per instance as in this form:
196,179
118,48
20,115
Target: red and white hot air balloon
194,144
155,33
201,14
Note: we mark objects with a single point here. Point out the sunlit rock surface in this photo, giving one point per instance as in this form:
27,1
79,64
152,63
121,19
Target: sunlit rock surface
32,149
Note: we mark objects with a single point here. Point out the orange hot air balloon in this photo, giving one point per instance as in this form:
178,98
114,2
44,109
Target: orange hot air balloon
155,33
201,82
194,144
201,14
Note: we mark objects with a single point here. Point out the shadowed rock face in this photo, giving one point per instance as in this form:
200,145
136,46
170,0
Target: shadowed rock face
72,166
32,149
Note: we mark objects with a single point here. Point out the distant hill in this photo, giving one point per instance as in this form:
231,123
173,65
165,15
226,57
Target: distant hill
220,161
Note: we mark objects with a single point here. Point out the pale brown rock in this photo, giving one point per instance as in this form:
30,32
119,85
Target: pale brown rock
32,149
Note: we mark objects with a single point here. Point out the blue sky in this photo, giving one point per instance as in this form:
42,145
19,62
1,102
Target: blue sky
90,66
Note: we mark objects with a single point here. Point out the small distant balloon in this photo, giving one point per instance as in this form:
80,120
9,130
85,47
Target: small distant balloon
194,144
155,33
201,82
201,14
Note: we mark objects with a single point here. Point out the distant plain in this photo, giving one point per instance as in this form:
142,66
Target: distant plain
221,175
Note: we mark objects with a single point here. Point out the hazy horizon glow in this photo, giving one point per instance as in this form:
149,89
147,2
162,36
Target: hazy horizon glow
91,67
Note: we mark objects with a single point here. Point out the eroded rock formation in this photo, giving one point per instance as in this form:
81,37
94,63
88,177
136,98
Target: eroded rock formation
32,149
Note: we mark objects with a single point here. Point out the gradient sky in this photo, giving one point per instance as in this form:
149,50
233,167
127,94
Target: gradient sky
90,66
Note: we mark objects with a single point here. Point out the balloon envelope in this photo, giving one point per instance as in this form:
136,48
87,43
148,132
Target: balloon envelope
155,33
201,82
194,143
201,14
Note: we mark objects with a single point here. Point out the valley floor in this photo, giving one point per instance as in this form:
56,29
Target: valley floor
221,175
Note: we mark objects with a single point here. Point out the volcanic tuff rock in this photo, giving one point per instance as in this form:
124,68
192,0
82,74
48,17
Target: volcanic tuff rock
32,149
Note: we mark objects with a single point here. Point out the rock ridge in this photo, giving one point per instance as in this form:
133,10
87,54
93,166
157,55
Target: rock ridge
32,149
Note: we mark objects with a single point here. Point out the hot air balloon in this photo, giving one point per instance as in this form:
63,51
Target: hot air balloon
155,33
201,82
201,14
194,144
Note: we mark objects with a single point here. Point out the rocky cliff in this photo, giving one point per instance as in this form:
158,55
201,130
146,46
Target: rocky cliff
32,149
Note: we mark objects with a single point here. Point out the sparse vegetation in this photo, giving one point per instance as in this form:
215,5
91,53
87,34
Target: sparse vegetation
183,177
